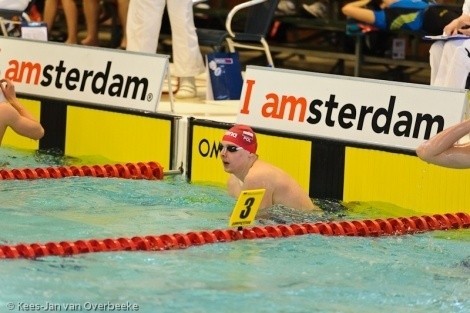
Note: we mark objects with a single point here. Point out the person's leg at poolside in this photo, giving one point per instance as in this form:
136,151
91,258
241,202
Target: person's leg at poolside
445,61
187,57
144,19
123,8
91,10
71,17
49,14
435,55
459,67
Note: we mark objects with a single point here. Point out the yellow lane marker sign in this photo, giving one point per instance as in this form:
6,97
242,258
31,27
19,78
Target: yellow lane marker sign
247,206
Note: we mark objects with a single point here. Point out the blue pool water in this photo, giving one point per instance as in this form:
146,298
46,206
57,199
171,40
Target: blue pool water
426,272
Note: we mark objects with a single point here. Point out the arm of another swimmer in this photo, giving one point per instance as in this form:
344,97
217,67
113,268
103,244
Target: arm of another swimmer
22,125
27,127
442,148
16,115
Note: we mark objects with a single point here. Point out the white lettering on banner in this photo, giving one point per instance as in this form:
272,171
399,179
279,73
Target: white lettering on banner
84,74
352,109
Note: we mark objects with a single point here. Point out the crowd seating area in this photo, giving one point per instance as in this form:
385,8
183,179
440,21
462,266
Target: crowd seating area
302,41
327,38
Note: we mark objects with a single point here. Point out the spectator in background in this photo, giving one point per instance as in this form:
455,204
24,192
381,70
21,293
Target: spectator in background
14,115
71,16
450,60
91,10
144,21
415,15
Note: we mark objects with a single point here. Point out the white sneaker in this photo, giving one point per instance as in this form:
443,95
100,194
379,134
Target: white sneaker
317,9
187,88
285,7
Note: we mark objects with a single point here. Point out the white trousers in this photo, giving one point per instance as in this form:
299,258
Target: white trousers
17,5
144,21
450,63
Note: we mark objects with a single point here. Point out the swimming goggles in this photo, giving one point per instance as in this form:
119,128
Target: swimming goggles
229,148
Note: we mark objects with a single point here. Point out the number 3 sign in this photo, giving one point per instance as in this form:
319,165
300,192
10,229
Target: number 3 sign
247,206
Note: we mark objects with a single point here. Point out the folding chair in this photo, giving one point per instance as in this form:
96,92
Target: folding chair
259,16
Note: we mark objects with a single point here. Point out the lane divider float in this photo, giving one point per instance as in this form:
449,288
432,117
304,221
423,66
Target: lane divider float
364,228
139,170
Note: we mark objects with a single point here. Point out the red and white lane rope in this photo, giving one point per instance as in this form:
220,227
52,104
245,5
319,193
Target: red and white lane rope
140,170
365,228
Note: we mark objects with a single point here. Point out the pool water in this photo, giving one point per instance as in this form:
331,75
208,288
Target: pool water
428,272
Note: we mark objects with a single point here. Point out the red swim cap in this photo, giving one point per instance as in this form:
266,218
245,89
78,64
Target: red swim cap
243,136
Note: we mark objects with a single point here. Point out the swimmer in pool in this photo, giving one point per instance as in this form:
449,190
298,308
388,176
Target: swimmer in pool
247,171
14,115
